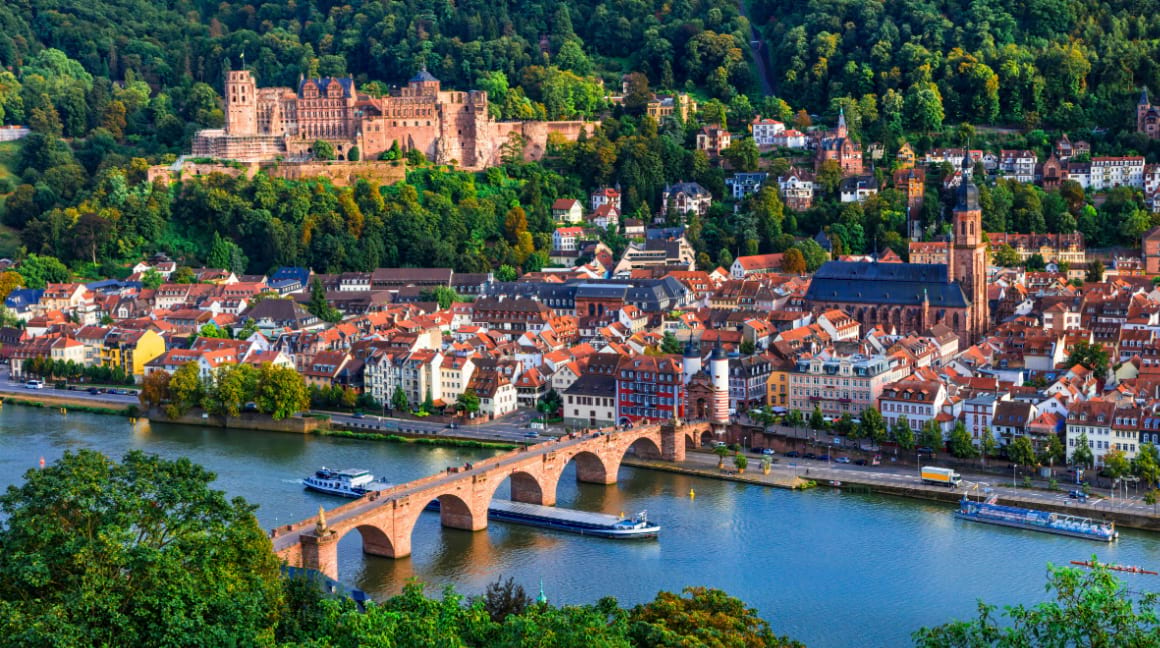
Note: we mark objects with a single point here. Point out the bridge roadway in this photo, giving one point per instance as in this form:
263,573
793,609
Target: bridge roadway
385,519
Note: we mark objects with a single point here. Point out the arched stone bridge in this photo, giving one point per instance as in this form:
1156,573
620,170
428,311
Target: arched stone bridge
385,519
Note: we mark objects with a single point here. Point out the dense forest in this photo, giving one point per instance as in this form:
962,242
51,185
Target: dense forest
1068,64
114,86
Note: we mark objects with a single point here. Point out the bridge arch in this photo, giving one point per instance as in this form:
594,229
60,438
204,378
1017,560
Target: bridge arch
644,447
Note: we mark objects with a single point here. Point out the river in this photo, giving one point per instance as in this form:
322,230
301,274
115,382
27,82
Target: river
829,569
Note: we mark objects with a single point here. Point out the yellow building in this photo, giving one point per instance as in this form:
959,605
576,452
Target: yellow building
777,386
131,350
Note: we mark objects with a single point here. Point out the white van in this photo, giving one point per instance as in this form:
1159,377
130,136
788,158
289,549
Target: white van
34,384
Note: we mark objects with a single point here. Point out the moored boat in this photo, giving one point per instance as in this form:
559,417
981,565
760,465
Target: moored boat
1075,526
600,525
352,482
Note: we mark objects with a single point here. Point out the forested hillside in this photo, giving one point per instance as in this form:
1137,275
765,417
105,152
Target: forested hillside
1068,64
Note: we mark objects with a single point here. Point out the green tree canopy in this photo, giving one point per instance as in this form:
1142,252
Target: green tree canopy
140,552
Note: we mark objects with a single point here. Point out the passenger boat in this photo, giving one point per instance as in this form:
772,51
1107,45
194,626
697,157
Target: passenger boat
352,482
1023,518
600,525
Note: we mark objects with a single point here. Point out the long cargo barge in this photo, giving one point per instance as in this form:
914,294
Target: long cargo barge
600,525
989,512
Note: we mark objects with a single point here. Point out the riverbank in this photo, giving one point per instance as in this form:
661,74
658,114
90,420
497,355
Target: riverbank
54,401
855,482
415,439
776,480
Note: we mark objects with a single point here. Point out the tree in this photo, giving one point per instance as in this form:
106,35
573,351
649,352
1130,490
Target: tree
38,271
322,150
794,418
1053,451
1092,356
1116,464
845,426
902,434
1095,271
226,254
468,402
987,444
1090,608
233,385
873,426
741,462
185,389
1021,452
136,553
280,391
10,281
1146,465
1005,256
1082,455
503,598
742,154
399,400
792,262
670,344
817,421
721,451
673,620
154,389
1152,497
319,306
506,273
151,279
747,348
960,443
354,155
931,436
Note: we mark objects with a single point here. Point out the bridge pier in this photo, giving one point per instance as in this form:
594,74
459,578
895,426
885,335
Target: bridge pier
672,442
527,489
320,553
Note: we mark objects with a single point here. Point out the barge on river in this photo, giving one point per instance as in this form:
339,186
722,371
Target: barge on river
1023,518
600,525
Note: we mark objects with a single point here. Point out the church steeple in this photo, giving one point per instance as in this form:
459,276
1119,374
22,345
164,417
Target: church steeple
968,257
841,121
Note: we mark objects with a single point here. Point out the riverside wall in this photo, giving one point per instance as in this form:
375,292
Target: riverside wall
294,424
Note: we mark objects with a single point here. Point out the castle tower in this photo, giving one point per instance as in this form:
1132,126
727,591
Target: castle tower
1142,108
969,255
719,374
691,362
241,103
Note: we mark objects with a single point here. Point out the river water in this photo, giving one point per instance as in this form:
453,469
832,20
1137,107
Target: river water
830,569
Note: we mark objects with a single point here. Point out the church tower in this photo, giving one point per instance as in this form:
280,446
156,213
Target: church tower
842,122
241,103
969,256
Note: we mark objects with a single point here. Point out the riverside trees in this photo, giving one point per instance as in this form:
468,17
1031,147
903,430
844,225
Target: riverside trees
277,391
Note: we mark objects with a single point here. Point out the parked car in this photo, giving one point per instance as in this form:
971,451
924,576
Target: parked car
532,435
843,460
359,415
768,452
1078,495
859,462
824,457
95,390
793,454
34,384
809,455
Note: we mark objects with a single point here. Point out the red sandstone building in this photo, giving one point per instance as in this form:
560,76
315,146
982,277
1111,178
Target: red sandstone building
914,297
838,146
447,126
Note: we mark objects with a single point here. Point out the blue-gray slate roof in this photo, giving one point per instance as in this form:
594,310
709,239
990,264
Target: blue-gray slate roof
885,283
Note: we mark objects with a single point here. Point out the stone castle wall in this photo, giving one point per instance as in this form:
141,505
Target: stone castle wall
340,174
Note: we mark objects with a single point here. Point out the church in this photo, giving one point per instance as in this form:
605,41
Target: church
916,296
